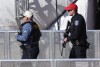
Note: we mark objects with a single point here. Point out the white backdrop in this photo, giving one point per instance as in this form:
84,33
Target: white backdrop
7,14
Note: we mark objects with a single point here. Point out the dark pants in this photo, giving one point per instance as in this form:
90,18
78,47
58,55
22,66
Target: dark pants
31,53
78,52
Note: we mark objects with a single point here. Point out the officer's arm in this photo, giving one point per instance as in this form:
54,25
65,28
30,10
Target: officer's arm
26,30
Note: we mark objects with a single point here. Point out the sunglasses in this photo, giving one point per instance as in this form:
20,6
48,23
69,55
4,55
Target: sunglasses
23,16
69,10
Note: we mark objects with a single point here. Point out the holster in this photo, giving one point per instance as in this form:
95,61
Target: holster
23,47
81,43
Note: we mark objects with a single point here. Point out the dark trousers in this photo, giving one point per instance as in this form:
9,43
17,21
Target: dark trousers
31,53
78,52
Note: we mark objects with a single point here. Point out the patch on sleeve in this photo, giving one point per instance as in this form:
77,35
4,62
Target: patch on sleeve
25,31
76,23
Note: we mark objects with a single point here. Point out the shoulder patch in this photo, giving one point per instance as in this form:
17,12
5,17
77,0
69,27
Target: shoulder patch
76,23
25,31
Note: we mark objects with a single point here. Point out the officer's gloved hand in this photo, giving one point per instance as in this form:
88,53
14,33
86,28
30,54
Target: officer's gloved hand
19,32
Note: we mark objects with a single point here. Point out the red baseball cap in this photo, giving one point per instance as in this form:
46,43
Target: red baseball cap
71,6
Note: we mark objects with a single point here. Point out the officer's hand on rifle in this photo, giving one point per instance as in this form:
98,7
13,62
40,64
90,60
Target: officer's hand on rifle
64,42
65,39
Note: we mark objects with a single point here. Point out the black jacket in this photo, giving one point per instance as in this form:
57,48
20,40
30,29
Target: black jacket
77,29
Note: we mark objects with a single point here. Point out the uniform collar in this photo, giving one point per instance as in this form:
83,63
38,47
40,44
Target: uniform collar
74,15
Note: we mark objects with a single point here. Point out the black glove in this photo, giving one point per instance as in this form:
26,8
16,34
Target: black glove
19,32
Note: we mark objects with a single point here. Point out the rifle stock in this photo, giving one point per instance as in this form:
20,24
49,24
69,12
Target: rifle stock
63,46
65,36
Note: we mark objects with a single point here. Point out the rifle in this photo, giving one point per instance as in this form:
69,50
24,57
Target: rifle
67,29
65,35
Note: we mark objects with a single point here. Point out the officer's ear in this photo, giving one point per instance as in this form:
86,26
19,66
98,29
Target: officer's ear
27,18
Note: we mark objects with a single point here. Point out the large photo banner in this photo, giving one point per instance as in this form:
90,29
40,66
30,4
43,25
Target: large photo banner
49,14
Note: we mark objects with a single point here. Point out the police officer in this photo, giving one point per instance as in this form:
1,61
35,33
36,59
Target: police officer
29,36
77,33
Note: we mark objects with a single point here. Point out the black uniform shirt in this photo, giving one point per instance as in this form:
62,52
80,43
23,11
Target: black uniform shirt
77,29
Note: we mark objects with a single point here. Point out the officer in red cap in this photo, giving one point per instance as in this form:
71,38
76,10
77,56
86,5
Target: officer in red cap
71,8
77,32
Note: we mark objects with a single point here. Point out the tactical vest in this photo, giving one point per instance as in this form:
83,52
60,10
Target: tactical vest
36,33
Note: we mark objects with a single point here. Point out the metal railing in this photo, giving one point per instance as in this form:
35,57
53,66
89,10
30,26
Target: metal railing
51,63
50,45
